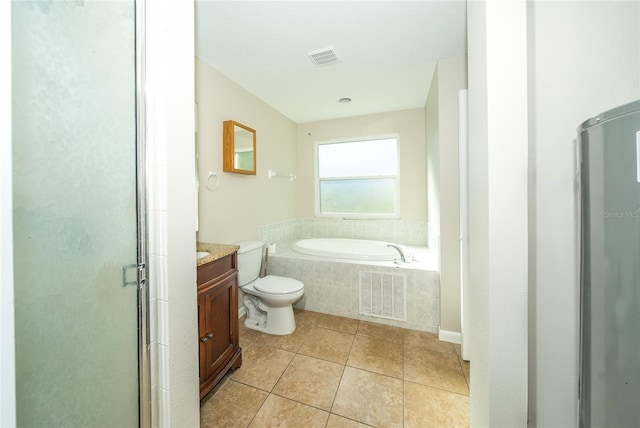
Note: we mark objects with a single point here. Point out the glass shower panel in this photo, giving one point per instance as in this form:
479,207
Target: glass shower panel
74,159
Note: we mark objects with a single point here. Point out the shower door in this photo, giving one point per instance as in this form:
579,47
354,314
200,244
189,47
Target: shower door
75,213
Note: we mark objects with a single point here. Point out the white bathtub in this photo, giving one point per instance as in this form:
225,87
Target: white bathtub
351,249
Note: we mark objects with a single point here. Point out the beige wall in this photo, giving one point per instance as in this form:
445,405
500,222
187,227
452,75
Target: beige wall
451,77
408,124
241,203
579,68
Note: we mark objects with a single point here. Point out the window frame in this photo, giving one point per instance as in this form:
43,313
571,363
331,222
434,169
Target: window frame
358,216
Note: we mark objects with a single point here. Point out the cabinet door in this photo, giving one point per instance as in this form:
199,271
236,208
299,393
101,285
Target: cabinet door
219,317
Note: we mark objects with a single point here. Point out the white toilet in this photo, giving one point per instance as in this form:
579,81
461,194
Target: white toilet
268,300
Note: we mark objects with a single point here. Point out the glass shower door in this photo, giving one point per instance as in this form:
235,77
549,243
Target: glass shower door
75,220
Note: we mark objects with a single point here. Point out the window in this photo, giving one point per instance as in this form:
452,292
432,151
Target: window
358,179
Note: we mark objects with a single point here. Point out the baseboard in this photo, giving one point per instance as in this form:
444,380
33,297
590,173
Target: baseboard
450,336
242,312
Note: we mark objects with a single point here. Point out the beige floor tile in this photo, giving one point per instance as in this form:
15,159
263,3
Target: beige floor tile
330,322
438,369
426,407
247,336
336,421
381,331
370,398
290,342
233,405
306,318
466,366
262,366
281,412
419,341
376,355
310,381
327,345
458,348
333,322
226,378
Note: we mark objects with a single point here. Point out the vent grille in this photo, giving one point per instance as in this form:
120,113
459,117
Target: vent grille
324,56
383,295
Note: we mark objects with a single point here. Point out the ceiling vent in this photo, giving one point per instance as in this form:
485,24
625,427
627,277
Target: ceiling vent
324,56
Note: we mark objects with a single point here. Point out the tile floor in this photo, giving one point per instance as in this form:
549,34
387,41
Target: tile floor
340,372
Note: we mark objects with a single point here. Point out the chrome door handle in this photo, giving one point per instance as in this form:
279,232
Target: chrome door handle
206,338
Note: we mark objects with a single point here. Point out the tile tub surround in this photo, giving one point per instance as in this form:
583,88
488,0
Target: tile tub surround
336,372
332,286
398,231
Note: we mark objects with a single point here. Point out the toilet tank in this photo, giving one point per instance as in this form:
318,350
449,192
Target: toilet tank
249,261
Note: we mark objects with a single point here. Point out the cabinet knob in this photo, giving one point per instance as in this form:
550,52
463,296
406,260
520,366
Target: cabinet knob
206,338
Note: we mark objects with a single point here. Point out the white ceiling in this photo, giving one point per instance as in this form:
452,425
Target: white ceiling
387,51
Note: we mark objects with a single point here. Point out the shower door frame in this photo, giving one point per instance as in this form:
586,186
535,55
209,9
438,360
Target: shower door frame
144,333
7,325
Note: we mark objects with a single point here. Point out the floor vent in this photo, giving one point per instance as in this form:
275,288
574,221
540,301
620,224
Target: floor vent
383,295
324,56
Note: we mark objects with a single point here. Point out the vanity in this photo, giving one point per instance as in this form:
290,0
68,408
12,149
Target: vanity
219,342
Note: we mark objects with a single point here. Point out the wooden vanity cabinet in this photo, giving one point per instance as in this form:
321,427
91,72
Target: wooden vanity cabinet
218,321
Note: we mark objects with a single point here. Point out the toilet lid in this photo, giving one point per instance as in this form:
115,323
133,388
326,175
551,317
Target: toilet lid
277,285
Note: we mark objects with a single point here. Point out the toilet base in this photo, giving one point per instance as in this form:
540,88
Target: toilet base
255,324
277,321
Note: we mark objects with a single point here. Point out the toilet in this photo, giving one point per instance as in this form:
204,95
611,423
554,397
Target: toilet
268,300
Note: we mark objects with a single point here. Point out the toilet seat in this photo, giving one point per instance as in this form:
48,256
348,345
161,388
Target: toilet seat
274,284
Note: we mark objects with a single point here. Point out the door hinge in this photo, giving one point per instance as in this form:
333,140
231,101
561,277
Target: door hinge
134,277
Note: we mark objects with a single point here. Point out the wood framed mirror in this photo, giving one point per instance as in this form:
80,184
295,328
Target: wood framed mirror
238,148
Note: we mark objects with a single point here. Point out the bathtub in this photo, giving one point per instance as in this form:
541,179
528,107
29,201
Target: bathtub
337,275
351,249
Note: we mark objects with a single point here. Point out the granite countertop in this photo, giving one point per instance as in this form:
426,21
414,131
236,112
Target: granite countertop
216,251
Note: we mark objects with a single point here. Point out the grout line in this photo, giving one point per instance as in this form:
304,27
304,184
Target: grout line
335,395
404,383
283,372
378,374
464,374
251,386
344,366
404,401
299,402
435,387
259,408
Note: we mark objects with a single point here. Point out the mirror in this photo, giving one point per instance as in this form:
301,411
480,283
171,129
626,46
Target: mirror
238,148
